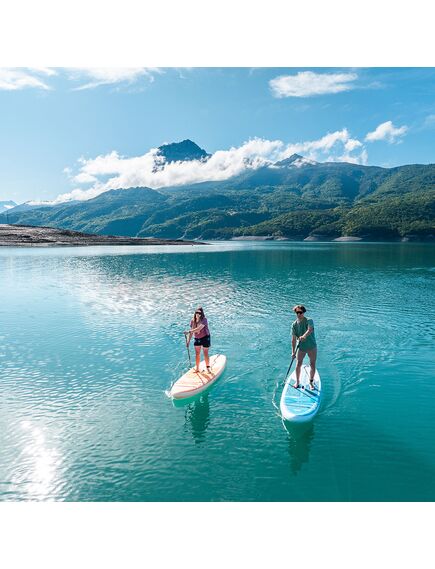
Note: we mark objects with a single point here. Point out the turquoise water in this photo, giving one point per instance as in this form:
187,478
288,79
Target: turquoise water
92,337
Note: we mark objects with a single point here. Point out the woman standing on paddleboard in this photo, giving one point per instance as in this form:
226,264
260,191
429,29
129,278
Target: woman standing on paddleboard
303,331
199,329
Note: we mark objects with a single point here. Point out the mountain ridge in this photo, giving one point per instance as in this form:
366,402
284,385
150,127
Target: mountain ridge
294,198
6,205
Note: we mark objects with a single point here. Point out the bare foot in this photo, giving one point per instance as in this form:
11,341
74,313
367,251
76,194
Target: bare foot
296,385
312,384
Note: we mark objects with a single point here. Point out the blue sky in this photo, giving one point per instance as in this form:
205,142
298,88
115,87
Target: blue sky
110,119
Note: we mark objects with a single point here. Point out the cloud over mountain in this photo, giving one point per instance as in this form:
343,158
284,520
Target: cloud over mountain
152,169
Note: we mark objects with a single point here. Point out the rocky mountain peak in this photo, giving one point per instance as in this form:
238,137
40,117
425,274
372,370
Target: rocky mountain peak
181,151
295,160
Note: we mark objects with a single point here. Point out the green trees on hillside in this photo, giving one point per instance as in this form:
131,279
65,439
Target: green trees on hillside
412,214
326,200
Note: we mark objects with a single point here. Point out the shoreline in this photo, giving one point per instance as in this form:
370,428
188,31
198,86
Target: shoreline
343,239
37,236
41,236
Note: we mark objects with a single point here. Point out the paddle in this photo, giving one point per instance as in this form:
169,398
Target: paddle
285,378
187,346
291,363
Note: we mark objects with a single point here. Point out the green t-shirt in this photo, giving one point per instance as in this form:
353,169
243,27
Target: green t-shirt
299,328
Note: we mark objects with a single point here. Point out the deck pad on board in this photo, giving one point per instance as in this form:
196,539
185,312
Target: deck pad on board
193,382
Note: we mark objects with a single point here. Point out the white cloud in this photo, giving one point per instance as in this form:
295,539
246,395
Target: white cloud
16,78
386,131
351,144
48,71
113,171
361,158
320,149
84,178
96,76
308,84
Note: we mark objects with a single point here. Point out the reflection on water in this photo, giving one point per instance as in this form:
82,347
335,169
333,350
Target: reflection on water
34,472
90,340
299,441
197,417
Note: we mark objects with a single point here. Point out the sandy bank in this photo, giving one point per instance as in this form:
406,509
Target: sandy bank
31,236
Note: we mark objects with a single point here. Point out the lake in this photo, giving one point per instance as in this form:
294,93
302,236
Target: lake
91,339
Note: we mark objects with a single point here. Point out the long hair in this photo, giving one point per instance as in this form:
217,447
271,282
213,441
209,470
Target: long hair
199,309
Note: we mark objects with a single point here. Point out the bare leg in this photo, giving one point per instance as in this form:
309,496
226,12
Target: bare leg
207,359
197,356
312,354
299,359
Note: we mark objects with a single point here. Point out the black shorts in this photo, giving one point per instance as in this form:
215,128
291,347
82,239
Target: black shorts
204,342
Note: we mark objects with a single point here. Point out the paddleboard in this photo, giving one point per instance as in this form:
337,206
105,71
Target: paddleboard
192,382
300,405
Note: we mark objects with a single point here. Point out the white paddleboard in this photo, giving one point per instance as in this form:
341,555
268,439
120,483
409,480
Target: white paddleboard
192,382
300,405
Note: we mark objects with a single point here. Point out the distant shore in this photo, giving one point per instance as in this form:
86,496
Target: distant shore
32,236
39,236
325,239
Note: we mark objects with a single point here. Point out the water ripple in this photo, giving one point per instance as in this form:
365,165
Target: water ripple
88,350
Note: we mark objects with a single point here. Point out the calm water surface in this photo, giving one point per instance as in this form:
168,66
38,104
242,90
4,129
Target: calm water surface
91,339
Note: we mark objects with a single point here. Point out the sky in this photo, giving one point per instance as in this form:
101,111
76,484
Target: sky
72,133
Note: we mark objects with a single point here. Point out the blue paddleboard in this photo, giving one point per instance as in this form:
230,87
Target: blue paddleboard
300,405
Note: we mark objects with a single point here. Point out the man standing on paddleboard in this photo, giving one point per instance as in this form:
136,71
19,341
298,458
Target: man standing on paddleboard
303,332
199,329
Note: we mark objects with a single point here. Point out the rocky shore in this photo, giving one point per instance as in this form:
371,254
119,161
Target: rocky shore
31,236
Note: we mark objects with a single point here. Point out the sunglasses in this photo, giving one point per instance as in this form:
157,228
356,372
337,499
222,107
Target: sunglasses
198,313
298,311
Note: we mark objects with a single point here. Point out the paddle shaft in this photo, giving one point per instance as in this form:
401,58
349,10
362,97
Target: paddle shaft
285,379
188,350
291,363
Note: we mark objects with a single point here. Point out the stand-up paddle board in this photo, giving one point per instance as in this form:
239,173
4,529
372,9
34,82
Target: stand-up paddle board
194,382
301,404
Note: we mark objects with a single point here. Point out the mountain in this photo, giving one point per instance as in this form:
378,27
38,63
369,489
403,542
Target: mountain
295,161
182,151
29,205
295,198
6,205
116,212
